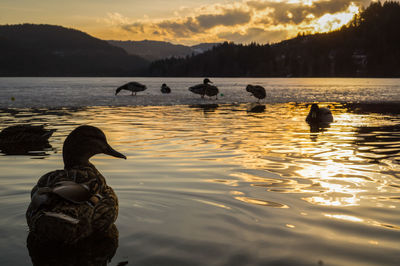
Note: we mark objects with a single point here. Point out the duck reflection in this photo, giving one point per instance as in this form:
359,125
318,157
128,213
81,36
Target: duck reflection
367,108
256,108
377,143
32,149
207,108
94,251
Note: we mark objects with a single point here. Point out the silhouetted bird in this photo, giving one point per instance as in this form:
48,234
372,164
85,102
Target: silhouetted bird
257,91
205,89
133,86
319,115
165,88
71,204
24,139
25,134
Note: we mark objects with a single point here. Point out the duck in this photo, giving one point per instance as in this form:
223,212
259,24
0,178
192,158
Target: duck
257,91
133,86
74,203
319,115
205,89
25,134
165,88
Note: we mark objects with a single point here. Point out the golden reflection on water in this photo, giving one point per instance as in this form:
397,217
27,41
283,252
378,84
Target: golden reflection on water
273,148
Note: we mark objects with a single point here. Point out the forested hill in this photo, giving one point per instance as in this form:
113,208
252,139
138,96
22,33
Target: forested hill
47,50
369,46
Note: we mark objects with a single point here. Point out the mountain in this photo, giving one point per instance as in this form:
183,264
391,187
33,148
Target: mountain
48,50
155,50
369,46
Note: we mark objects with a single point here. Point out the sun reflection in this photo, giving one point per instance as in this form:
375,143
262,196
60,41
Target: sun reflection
262,202
360,220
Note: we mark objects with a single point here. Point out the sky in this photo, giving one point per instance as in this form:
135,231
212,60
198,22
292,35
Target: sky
186,22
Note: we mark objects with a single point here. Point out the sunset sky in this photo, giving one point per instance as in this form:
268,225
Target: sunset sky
186,21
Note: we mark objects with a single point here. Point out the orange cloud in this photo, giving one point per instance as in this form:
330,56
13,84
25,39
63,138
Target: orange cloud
262,21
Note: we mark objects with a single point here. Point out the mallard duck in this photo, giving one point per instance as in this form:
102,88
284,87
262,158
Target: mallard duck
319,115
165,88
133,86
25,134
257,91
23,139
71,204
204,89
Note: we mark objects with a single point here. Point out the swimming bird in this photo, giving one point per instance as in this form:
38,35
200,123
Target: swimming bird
133,86
205,89
165,88
257,91
319,115
71,204
25,134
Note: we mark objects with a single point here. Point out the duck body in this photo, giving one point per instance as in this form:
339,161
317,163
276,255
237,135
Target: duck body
205,89
211,91
319,115
133,86
257,91
165,88
72,204
25,134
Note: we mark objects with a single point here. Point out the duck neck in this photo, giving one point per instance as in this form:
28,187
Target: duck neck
74,156
71,161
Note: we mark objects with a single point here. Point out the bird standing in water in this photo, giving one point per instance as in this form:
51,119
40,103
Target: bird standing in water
71,204
257,91
133,86
205,89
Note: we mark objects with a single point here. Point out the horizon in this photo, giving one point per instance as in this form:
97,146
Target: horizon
191,23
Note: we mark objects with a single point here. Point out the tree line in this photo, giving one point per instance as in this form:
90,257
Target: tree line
368,46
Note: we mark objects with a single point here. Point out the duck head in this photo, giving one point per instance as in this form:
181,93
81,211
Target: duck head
249,88
206,81
83,143
314,111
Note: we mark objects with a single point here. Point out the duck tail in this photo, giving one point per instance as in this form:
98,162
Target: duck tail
49,133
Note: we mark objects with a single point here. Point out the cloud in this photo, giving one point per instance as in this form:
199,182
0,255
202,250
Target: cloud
258,35
246,21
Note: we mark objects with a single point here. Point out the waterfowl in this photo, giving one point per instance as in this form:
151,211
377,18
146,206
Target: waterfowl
257,91
165,88
212,91
71,204
133,86
204,89
319,115
25,134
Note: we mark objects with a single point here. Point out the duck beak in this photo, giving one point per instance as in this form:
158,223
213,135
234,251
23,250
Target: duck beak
110,151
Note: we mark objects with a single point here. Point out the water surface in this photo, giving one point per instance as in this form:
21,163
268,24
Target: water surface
219,184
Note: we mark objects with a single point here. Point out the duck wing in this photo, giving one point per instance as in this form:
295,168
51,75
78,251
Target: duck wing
198,89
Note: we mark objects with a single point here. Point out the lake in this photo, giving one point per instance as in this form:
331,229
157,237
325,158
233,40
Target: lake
221,182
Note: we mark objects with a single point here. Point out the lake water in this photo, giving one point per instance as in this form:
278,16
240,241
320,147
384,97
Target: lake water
219,182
